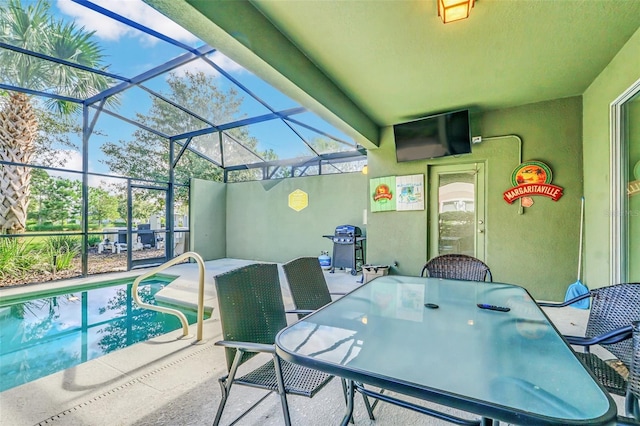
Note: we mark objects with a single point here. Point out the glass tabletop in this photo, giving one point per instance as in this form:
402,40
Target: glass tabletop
427,337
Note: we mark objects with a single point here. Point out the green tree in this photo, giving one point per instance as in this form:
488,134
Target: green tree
63,200
33,27
40,182
102,205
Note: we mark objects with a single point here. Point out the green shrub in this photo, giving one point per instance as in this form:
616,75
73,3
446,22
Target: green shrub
63,261
45,227
50,227
93,240
16,257
61,250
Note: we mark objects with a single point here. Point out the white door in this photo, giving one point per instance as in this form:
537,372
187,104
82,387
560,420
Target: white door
456,210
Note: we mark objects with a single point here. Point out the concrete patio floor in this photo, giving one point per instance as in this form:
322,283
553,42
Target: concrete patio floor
171,381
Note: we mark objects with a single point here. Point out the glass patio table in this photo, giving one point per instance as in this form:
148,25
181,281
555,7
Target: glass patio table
427,338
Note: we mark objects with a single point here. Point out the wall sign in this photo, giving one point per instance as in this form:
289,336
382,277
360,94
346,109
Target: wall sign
410,192
298,200
532,178
382,193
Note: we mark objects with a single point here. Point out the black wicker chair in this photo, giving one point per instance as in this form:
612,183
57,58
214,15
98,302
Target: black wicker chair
310,292
613,310
633,385
457,267
251,314
309,289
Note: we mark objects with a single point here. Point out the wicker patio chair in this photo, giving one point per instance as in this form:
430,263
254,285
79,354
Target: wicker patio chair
457,267
632,403
251,314
310,292
308,286
613,310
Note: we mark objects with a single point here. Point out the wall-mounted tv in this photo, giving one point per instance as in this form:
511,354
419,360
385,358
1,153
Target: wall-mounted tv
434,136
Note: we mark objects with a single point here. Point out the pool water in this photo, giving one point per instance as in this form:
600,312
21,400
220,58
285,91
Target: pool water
50,334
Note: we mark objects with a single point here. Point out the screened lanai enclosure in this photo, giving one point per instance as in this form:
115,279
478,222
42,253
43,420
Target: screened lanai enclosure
107,111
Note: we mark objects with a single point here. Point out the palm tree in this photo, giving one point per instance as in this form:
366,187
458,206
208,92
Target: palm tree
34,28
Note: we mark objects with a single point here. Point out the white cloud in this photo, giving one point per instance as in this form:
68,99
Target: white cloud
200,65
136,10
225,63
73,161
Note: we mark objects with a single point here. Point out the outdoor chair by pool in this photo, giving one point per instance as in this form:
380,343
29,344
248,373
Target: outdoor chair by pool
310,292
613,310
457,267
251,314
308,286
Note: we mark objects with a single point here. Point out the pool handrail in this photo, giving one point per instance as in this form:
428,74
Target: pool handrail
180,315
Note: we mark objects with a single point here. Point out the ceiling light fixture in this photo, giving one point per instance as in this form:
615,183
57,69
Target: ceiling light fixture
454,10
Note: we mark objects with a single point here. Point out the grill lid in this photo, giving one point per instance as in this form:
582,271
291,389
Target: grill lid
348,230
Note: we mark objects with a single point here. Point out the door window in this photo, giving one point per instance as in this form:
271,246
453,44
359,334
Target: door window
457,210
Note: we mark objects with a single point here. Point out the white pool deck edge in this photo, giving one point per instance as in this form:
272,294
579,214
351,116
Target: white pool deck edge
172,381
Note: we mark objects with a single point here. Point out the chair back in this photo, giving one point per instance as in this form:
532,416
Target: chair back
306,280
458,267
634,370
613,307
251,306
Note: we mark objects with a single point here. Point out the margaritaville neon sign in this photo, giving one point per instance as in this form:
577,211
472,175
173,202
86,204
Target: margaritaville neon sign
532,178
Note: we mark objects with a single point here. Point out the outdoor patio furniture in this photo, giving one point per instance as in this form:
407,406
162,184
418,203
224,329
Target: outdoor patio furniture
251,314
308,286
457,267
632,402
310,292
105,245
383,334
613,309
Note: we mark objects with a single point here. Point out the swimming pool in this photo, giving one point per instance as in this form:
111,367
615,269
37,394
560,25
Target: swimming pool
53,332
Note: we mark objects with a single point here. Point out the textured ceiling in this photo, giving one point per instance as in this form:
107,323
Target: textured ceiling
395,60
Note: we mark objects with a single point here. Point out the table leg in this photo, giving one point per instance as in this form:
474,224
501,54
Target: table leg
349,412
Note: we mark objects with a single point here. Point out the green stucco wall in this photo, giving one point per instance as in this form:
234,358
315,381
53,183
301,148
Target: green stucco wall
617,77
634,196
537,249
262,226
208,217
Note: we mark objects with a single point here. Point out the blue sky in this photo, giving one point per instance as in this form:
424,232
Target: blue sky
130,52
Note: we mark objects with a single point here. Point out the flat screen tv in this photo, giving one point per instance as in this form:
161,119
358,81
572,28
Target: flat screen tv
434,136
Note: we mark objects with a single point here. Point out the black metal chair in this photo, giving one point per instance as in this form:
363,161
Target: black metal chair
613,310
251,314
457,267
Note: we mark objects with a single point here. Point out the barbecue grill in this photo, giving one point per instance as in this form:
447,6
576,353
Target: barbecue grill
348,248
